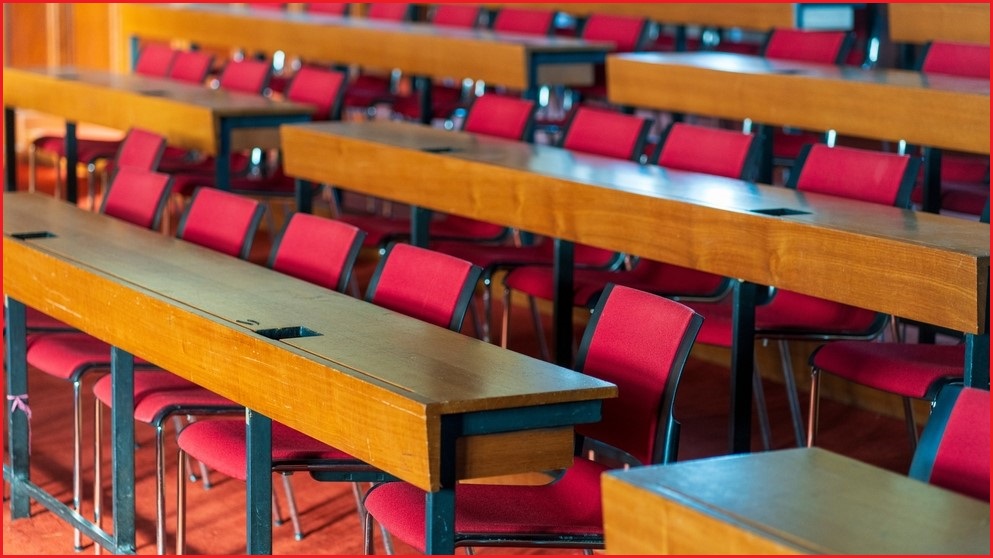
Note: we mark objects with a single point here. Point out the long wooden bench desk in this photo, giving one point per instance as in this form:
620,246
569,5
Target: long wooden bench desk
422,403
190,116
938,112
510,60
797,501
921,266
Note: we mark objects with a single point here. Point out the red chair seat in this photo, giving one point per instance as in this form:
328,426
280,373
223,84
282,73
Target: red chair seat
905,369
221,443
64,354
445,99
569,505
788,311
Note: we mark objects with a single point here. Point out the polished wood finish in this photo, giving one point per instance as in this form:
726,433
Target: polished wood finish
797,501
417,48
187,115
919,266
759,16
937,111
920,23
374,383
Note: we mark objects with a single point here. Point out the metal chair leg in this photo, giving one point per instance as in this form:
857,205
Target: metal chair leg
505,322
97,467
908,413
292,505
77,458
762,409
791,392
181,504
160,507
539,329
813,412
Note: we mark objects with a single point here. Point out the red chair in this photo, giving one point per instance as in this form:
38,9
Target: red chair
491,115
447,95
328,8
589,130
635,340
191,66
869,176
322,88
909,370
965,177
528,21
154,60
137,196
821,47
366,90
420,283
682,147
311,248
955,446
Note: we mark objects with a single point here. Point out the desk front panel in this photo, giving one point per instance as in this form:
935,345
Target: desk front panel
938,111
916,265
374,383
799,501
416,48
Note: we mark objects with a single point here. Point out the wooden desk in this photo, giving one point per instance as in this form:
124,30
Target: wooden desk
921,23
797,501
939,112
920,266
517,61
189,116
425,404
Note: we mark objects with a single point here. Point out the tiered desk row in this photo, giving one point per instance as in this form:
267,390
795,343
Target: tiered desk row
426,405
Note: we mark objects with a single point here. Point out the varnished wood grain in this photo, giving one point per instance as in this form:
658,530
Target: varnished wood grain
939,111
374,383
187,115
759,16
799,501
920,23
416,48
916,265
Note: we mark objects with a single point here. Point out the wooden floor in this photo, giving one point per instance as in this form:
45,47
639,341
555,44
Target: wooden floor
327,511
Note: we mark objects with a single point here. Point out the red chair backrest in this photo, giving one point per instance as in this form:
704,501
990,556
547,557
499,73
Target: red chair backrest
823,47
528,22
708,150
329,8
391,11
191,66
606,132
140,149
138,196
639,342
246,76
859,174
155,60
629,34
500,116
271,6
456,15
322,88
957,59
316,249
221,221
424,284
954,449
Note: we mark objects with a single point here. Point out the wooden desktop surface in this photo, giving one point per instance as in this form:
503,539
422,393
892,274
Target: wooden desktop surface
919,266
957,22
416,48
188,115
937,111
797,501
373,383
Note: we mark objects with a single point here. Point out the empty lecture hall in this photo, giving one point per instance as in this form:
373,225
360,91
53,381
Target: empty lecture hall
505,279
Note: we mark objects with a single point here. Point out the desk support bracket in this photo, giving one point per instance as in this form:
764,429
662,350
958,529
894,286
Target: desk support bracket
258,447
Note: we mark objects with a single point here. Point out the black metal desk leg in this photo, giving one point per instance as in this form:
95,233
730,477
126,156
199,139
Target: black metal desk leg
742,365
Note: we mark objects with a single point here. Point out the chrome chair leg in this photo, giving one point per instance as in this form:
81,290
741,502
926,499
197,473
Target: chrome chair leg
791,392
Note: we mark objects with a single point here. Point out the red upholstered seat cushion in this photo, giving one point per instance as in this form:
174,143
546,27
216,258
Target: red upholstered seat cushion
220,444
905,369
64,354
962,462
569,505
788,311
159,394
